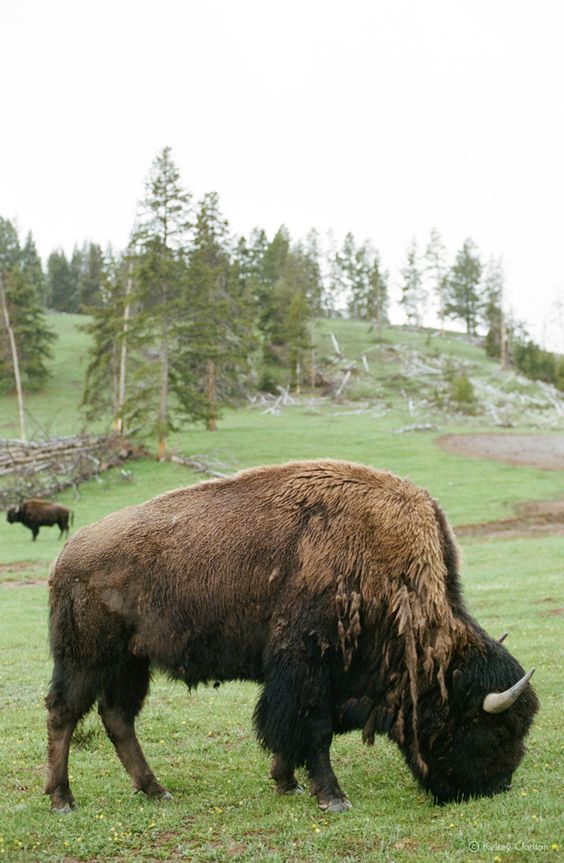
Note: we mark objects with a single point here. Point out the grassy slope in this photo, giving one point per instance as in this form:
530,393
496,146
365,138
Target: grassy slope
201,745
54,411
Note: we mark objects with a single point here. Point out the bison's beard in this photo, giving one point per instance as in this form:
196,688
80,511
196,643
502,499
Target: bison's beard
472,755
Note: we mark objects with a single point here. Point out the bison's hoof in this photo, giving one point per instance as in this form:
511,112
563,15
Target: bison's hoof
289,788
164,795
338,804
63,810
294,789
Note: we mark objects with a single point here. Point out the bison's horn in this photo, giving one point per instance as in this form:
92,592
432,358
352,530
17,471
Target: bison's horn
497,702
502,638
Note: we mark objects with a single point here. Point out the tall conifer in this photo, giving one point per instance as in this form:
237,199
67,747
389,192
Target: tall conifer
463,296
413,294
28,327
161,240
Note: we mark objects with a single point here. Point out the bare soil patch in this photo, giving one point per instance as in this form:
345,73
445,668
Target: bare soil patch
535,518
540,451
24,582
20,566
10,571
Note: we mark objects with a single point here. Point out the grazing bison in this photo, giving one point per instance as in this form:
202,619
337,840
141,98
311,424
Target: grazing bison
333,585
41,513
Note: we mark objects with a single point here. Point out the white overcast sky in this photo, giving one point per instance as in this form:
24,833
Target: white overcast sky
380,117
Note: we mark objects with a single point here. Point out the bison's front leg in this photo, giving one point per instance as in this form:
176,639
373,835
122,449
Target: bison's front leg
282,772
293,719
324,783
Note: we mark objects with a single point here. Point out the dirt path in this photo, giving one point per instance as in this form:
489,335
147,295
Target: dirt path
9,572
534,518
540,451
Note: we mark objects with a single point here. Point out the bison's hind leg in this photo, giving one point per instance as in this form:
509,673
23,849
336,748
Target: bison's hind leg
71,694
119,704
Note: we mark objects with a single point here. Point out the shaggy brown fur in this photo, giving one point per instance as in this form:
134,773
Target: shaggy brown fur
332,584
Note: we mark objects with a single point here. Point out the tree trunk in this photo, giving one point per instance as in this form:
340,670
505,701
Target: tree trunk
163,401
123,355
502,333
313,369
15,360
212,398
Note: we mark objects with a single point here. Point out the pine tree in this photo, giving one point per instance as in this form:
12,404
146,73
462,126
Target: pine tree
413,294
463,297
435,256
494,320
377,299
353,264
161,241
61,287
333,288
216,335
23,330
111,342
91,277
33,269
295,295
75,286
312,264
287,289
76,267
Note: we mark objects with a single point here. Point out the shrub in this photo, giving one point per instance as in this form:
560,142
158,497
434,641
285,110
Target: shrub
462,393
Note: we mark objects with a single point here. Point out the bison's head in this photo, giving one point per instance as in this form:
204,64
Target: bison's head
14,514
473,742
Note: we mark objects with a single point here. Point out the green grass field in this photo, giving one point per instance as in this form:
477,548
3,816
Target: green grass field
201,743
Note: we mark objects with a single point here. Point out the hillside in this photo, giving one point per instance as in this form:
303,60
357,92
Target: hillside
423,373
402,385
404,378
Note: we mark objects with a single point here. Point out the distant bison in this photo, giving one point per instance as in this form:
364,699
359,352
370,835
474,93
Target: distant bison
41,513
333,585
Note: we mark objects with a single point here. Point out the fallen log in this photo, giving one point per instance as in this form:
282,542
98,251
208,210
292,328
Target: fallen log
42,468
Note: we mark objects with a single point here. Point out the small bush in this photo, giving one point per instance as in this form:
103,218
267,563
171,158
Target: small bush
462,393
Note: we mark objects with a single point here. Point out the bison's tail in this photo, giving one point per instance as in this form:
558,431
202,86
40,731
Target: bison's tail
71,517
62,620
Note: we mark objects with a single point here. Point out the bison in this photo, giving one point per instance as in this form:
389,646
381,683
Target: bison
35,513
332,585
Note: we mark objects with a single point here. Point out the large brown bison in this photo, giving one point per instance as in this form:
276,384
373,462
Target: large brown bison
36,513
333,585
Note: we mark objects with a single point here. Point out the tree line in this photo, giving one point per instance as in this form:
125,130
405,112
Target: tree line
189,317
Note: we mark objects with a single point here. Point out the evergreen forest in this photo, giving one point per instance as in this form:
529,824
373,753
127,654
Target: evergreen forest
190,318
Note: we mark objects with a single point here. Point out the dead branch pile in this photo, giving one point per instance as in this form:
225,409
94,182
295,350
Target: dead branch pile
44,467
